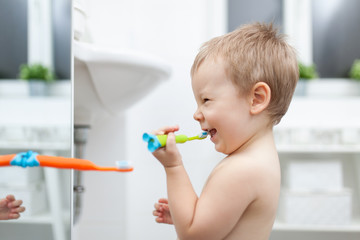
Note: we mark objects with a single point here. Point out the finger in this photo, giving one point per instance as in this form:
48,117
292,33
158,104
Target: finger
15,203
170,142
157,213
3,202
10,197
160,208
166,207
159,220
164,203
158,153
14,215
18,210
166,130
163,200
157,206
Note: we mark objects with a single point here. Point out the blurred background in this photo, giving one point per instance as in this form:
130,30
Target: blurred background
35,114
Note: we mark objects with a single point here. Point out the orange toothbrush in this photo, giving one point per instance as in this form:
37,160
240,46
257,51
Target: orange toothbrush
33,159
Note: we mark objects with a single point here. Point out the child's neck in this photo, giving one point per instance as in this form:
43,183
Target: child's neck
262,137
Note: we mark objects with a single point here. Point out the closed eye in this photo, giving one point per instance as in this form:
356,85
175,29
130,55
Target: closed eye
205,100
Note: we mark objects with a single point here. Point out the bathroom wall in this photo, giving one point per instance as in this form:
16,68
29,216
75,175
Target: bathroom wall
120,206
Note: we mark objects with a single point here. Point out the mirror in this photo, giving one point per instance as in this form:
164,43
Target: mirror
36,115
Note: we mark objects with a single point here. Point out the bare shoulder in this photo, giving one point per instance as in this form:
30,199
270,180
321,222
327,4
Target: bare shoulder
252,173
241,173
250,165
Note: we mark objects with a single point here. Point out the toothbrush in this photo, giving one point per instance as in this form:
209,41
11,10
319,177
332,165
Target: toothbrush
33,159
157,141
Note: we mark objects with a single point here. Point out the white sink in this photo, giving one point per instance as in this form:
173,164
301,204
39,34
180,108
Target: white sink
110,80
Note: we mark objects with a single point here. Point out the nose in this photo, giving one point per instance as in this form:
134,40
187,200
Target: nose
198,116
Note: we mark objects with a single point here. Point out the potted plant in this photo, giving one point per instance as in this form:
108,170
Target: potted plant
355,70
354,75
306,73
38,76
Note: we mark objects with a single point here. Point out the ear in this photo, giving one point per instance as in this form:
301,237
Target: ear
260,97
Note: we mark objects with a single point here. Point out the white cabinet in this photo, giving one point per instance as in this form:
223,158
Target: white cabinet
319,149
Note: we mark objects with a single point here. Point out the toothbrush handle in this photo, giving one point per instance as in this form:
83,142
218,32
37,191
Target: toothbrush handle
62,162
181,138
75,163
6,159
50,161
65,163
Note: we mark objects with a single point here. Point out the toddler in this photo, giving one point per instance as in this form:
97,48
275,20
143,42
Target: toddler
243,83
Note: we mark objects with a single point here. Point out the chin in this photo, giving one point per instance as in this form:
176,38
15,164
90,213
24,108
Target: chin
224,150
220,149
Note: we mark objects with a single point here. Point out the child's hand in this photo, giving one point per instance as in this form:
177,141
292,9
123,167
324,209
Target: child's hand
10,208
162,212
169,155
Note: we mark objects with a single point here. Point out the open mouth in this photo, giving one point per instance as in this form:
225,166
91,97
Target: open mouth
212,132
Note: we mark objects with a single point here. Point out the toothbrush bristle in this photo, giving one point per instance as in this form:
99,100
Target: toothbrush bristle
203,134
123,164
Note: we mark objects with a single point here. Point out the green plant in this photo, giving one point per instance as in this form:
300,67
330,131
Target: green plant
355,70
307,71
36,71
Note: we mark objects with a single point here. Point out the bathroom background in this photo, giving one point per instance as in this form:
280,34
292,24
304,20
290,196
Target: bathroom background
318,139
319,136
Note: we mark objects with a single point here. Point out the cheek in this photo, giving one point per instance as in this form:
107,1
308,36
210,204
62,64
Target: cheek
234,125
214,118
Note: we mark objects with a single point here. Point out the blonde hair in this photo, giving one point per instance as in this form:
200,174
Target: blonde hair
256,53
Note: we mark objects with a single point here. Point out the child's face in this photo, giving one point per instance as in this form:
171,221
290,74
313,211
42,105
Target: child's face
221,110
